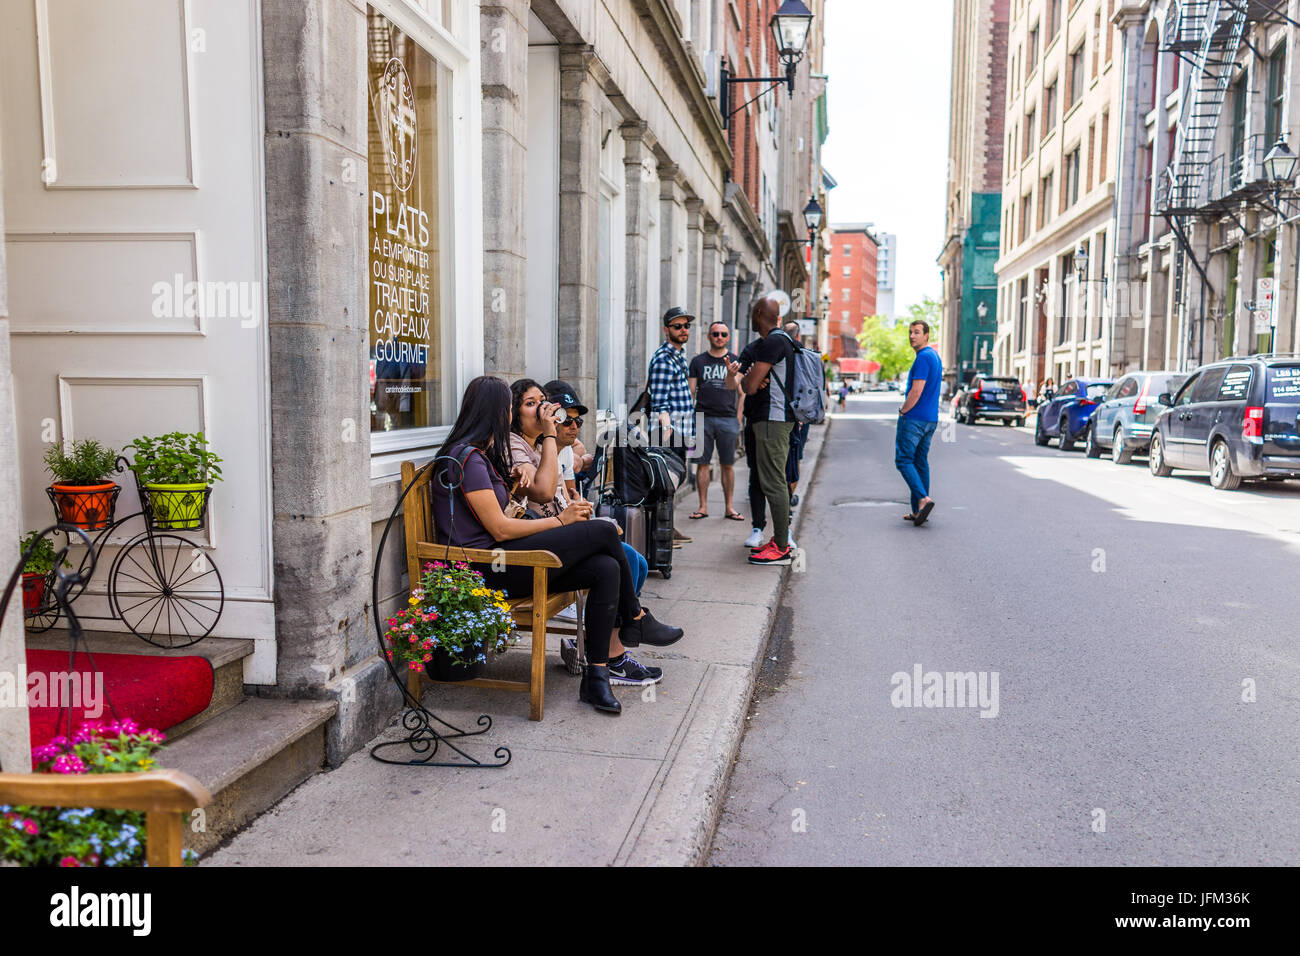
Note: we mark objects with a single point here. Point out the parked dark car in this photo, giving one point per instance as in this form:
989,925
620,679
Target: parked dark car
1066,415
1236,419
1123,421
998,397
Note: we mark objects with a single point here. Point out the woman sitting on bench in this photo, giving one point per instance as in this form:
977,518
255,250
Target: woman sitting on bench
473,516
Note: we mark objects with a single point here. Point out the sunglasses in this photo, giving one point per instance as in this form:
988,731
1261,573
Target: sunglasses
678,326
719,335
575,422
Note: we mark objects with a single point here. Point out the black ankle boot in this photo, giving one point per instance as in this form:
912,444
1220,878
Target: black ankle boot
647,630
594,690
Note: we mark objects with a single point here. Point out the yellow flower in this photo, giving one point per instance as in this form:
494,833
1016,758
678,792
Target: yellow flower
413,602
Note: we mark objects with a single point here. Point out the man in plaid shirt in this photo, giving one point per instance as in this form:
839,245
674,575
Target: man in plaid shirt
670,394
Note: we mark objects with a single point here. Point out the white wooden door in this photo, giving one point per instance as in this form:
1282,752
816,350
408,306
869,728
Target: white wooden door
134,232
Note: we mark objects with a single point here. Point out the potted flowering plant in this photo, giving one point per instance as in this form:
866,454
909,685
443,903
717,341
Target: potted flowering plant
451,621
176,471
82,491
36,569
58,836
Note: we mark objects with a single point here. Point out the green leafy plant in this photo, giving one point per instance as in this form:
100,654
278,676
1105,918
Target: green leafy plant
177,458
85,462
42,558
454,610
70,836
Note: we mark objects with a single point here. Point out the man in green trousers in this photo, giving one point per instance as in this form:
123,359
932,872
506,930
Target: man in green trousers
768,381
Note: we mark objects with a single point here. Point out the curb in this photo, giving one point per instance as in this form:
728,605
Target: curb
676,825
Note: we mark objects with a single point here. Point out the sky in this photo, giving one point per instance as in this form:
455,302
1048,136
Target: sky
888,64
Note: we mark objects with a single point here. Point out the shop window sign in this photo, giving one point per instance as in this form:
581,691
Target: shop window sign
406,341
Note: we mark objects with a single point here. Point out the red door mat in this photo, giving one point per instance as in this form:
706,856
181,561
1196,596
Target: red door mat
157,692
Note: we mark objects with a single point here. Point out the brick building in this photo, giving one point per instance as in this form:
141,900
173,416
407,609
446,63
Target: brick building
853,259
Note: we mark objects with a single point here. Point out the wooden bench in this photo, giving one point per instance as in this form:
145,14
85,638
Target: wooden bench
163,795
531,614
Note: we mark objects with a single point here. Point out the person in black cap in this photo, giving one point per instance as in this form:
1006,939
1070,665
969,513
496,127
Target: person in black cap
623,667
574,457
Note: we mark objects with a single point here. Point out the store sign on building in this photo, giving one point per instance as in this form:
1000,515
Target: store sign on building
406,348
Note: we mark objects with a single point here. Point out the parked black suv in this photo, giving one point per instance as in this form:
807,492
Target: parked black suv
1236,419
988,396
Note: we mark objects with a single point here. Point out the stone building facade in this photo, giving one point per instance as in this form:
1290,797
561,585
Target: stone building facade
977,115
408,193
1063,112
1184,301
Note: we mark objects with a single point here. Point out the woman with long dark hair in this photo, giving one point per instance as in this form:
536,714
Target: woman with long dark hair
473,515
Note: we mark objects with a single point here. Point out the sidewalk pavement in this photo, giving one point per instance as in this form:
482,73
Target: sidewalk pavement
582,788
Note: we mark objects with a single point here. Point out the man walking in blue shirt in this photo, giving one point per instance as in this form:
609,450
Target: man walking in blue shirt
917,420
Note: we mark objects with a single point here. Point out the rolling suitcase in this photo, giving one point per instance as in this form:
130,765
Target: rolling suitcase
659,538
631,518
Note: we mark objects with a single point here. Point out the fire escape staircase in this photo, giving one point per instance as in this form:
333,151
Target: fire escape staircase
1207,34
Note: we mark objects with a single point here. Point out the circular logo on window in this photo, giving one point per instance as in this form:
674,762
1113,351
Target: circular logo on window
397,121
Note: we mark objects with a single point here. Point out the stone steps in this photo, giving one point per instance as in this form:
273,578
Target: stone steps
249,758
249,752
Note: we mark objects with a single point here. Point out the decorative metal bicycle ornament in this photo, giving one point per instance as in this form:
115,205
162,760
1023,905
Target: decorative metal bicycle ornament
423,739
163,586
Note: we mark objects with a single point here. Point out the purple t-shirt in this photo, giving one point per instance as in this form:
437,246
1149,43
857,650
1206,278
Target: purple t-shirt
479,476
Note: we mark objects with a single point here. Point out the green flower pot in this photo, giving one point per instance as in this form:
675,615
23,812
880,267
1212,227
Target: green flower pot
177,506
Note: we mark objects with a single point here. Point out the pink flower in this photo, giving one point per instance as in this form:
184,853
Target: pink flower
69,861
68,763
428,657
417,667
31,828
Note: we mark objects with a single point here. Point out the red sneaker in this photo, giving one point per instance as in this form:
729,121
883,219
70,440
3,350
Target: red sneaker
771,555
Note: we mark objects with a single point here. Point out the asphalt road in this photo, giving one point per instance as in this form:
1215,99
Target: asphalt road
1126,618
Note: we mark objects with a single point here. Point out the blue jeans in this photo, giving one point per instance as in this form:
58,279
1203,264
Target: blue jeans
911,456
640,568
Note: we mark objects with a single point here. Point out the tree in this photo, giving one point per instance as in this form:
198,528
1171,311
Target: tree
884,342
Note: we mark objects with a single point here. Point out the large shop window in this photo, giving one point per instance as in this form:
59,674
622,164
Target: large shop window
410,348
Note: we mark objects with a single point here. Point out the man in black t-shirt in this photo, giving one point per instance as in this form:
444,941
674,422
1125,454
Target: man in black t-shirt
757,506
715,389
766,383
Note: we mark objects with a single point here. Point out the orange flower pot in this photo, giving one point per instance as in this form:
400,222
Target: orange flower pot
89,507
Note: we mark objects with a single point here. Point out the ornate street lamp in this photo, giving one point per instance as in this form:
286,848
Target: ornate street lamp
790,27
812,215
1280,165
1081,260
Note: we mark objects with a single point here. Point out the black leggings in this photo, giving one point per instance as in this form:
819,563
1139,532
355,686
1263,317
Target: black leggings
593,558
757,500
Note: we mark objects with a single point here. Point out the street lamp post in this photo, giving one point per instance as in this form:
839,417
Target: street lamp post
1280,169
790,26
812,217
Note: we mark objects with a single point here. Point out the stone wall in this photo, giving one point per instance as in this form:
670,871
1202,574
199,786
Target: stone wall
316,119
15,745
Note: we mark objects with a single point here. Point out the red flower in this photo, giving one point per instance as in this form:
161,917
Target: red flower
69,861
